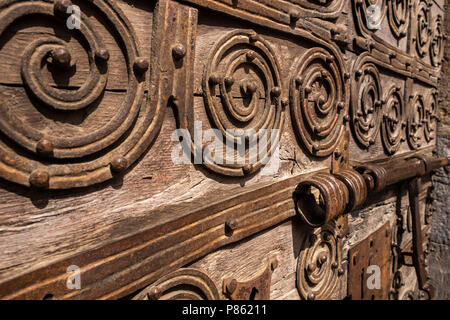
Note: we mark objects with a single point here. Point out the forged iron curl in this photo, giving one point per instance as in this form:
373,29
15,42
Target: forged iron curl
319,263
393,120
60,155
239,100
366,102
183,284
319,100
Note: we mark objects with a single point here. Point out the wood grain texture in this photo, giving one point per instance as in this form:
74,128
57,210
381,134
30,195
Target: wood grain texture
41,227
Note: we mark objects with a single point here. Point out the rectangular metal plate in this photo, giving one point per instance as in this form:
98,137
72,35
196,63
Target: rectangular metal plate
364,260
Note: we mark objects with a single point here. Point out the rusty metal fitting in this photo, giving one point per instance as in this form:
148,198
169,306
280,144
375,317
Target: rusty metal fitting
377,173
179,51
102,55
119,164
61,57
141,64
154,293
39,178
356,186
320,198
44,147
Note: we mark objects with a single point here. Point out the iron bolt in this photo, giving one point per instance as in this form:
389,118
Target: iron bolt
39,178
61,57
251,55
329,59
294,15
154,293
141,64
119,164
340,272
229,81
179,51
102,55
231,224
334,265
276,91
44,147
214,79
311,296
323,259
298,81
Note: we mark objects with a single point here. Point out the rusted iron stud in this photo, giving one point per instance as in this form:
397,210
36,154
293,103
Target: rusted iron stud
229,81
141,65
61,57
44,147
214,79
39,178
230,226
102,55
119,164
276,92
294,16
154,293
179,51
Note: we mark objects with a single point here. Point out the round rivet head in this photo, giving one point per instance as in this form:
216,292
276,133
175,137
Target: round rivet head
229,81
340,272
141,64
329,59
62,5
154,293
251,55
119,164
298,81
323,259
61,57
294,15
334,265
44,147
39,178
252,87
214,79
276,91
102,55
179,51
311,296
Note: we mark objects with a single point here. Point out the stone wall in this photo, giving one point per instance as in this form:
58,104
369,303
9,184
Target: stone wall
440,231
